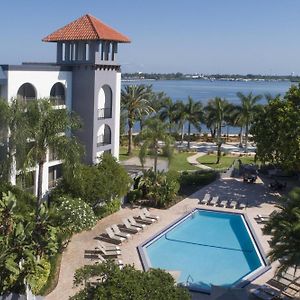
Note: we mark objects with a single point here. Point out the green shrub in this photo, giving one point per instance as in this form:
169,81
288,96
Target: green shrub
74,215
107,209
134,195
37,280
197,178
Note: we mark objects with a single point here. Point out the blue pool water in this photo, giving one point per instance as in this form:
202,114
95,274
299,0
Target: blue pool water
207,248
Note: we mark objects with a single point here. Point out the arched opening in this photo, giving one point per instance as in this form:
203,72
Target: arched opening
26,92
57,94
104,136
105,102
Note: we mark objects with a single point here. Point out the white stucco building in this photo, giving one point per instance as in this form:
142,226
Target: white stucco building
85,78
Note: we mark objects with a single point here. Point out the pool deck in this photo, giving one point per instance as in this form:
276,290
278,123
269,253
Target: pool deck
257,197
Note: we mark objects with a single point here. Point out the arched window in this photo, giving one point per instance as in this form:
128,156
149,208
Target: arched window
26,92
104,136
57,94
105,102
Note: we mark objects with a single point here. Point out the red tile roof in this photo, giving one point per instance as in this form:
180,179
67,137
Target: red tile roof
86,28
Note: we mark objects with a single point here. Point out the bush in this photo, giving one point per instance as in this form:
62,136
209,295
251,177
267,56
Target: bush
134,195
107,209
197,178
74,215
39,278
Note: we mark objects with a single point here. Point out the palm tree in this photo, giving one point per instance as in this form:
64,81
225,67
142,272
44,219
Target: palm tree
247,111
154,132
12,134
46,128
194,116
180,116
284,227
168,112
217,111
135,101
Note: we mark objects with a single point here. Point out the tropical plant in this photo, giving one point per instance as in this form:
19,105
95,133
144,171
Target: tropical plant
217,110
46,128
168,112
126,283
151,136
73,215
284,228
247,111
135,102
159,187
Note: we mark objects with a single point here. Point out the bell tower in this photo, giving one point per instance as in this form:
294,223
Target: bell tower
90,48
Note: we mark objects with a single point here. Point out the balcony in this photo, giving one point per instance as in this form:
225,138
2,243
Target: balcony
104,113
103,140
56,101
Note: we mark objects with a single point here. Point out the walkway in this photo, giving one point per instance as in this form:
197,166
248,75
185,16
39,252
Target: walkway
193,160
256,196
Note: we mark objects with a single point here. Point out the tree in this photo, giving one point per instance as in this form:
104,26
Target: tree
217,110
194,113
47,127
284,227
276,132
168,112
247,111
135,101
12,135
181,116
126,283
153,133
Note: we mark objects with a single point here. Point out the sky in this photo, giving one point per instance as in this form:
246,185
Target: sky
188,36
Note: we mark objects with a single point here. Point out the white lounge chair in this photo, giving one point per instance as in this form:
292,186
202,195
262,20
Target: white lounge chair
214,201
148,215
142,219
205,200
113,236
101,259
224,203
108,247
106,252
117,232
261,219
134,223
242,206
233,204
130,228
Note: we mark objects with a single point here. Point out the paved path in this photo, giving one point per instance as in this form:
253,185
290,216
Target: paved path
256,196
162,164
193,161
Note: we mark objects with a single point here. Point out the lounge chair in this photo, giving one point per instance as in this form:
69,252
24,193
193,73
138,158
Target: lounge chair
148,215
206,199
108,247
130,228
113,237
261,294
242,205
214,201
134,223
108,252
142,219
261,219
117,232
101,259
233,204
224,203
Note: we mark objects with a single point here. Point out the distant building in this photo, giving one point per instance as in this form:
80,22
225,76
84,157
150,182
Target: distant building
86,78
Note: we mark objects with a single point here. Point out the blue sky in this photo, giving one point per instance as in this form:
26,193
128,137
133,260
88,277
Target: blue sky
204,36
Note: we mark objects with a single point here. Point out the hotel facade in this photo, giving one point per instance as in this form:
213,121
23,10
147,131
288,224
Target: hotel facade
86,78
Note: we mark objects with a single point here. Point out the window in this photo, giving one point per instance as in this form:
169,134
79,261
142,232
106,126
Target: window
87,52
104,136
54,174
57,94
26,92
105,102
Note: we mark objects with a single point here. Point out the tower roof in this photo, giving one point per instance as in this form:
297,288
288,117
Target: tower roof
86,28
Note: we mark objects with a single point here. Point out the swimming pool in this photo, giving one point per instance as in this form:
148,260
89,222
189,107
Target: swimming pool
206,247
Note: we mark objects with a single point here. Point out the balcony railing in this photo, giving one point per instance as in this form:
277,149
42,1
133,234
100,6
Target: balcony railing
103,140
104,113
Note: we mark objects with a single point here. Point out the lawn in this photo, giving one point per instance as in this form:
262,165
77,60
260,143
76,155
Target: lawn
123,153
179,162
225,161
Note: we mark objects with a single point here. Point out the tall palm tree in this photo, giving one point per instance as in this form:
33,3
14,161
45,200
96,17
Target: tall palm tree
247,111
217,110
135,102
46,128
180,116
168,112
284,227
194,112
155,131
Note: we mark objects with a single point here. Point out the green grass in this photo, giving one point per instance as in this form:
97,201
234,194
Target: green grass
225,161
179,162
123,153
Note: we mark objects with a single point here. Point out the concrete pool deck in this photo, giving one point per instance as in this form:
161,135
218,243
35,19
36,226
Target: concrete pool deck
257,197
